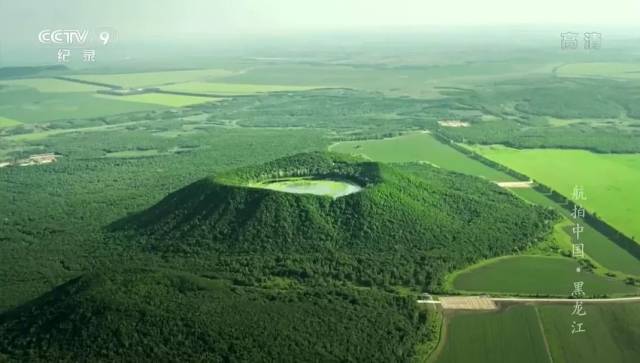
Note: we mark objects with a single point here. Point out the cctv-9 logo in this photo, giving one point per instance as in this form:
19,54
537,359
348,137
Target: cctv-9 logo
75,36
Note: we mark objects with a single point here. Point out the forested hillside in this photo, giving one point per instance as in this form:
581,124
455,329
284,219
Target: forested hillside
143,315
436,219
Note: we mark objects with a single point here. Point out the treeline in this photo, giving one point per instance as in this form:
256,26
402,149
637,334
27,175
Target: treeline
580,136
314,165
591,109
626,242
474,155
563,98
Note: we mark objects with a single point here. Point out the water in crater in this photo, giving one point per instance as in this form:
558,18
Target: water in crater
332,188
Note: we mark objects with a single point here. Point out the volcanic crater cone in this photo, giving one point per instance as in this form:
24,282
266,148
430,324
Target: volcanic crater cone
407,206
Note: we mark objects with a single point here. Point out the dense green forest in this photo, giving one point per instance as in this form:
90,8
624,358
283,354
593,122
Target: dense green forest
594,114
53,215
62,235
142,315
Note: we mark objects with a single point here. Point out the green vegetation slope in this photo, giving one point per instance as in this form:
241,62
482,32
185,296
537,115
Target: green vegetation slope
146,315
437,219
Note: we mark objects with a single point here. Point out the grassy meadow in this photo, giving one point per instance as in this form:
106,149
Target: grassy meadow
419,147
29,106
7,122
152,79
535,275
52,85
599,247
162,99
609,180
230,88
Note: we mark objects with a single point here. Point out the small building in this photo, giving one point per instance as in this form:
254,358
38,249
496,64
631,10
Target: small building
43,158
38,159
453,123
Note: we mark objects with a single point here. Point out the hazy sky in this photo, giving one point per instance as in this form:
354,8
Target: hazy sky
24,18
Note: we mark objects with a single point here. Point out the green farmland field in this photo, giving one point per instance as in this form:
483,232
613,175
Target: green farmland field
510,336
519,334
612,333
230,88
31,106
419,147
609,180
533,275
7,122
162,99
52,85
149,79
598,246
